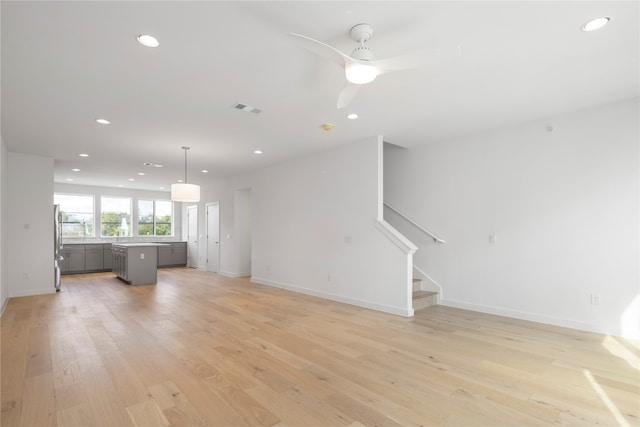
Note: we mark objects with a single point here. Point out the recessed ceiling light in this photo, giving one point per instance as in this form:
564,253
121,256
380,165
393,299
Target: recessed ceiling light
180,180
158,165
147,40
103,121
352,116
257,152
75,170
120,185
141,173
131,179
69,179
205,171
162,188
83,155
596,24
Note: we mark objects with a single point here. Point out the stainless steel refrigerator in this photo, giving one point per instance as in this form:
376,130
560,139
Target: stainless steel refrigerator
57,245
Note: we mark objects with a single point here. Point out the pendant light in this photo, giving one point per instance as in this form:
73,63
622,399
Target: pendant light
184,192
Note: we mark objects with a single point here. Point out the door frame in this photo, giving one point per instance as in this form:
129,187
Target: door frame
217,225
190,262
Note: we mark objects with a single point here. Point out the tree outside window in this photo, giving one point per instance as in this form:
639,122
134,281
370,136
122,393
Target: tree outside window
155,218
115,216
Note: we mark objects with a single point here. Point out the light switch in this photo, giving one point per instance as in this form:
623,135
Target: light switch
142,256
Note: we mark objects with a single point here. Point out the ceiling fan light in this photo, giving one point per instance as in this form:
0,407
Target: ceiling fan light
185,193
360,73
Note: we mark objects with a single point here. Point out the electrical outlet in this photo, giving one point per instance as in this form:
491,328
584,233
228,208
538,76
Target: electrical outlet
141,256
595,299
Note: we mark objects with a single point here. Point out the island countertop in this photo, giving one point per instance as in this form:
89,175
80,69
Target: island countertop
139,244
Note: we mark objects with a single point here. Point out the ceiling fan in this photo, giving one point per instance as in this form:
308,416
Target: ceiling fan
361,67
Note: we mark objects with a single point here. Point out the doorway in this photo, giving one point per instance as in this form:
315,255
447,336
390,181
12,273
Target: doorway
213,237
192,236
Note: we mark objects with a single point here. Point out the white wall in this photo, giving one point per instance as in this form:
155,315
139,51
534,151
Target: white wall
563,206
314,230
4,290
4,283
242,226
135,195
29,220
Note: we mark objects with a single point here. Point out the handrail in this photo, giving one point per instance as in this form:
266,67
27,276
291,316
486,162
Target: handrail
435,238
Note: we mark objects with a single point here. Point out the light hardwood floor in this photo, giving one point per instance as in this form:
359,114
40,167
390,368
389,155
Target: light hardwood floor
199,349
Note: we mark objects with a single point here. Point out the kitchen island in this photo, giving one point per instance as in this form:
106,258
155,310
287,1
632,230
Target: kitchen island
136,263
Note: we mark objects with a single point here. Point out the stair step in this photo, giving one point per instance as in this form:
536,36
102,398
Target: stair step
423,299
417,284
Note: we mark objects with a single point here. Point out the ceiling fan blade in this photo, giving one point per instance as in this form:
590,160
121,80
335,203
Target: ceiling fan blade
347,94
323,50
417,59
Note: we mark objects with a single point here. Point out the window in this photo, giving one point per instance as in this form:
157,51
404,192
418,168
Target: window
115,216
77,214
155,218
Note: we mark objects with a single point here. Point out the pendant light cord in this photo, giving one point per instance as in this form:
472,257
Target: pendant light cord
185,163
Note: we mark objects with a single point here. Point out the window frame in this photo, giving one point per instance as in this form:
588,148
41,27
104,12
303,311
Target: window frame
92,223
154,215
102,222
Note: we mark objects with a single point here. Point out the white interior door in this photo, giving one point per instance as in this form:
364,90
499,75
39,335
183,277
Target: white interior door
213,237
192,236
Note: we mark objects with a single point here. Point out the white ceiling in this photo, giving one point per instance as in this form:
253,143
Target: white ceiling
66,63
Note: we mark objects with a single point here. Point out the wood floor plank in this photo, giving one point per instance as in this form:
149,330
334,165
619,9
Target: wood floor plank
200,349
177,409
147,413
75,416
38,408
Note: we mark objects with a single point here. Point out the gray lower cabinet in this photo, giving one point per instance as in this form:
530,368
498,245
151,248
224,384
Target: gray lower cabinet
174,255
93,257
135,263
73,261
107,257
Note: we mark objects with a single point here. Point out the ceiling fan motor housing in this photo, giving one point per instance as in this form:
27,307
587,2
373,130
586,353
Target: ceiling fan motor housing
363,53
361,32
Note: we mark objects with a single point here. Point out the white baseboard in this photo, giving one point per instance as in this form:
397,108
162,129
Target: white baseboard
233,275
532,317
32,292
333,297
4,305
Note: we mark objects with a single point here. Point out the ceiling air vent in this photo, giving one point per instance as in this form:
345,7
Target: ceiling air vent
247,108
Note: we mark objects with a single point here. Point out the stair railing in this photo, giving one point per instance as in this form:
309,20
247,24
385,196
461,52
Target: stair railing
435,238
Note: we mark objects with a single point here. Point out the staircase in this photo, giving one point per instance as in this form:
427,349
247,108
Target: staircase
423,294
422,299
